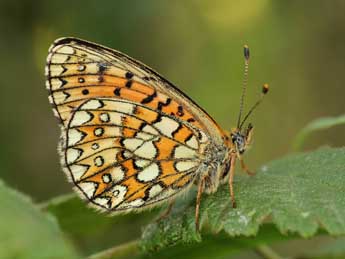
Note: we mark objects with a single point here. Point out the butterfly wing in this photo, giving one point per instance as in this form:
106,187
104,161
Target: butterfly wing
130,139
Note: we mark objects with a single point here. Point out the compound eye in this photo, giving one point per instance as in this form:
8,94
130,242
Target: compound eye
240,141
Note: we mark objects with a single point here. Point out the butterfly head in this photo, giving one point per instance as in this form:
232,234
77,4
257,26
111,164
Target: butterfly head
240,141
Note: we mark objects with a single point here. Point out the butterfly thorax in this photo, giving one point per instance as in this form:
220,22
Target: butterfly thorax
215,164
219,158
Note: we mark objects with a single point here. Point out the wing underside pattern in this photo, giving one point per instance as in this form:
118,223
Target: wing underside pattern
123,155
128,138
77,73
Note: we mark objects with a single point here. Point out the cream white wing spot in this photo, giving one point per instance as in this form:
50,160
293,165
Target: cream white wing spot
106,178
142,163
147,150
106,157
132,143
98,132
55,83
65,50
56,70
73,154
103,202
182,166
59,58
75,136
116,71
192,142
155,190
95,146
126,154
98,161
98,144
60,97
143,135
122,107
184,152
92,105
149,173
88,188
117,174
104,117
80,118
150,129
116,118
167,126
81,68
118,192
78,171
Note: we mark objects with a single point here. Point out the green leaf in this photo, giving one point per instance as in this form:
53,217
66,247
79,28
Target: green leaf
26,232
318,124
219,246
300,193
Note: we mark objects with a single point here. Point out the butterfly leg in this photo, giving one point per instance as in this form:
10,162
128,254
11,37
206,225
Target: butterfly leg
245,168
198,200
167,211
231,180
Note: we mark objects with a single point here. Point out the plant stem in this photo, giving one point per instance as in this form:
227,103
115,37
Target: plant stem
56,201
266,252
127,250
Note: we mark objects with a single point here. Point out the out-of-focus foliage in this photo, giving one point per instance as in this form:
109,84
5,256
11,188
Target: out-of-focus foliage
26,232
317,125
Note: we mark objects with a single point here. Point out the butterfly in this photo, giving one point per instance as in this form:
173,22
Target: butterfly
130,139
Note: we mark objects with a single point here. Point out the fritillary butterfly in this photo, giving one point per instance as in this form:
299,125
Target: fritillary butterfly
130,139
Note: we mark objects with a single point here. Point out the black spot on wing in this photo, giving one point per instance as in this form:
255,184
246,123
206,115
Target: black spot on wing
149,98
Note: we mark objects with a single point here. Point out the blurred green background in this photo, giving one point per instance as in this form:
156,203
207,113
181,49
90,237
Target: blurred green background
296,46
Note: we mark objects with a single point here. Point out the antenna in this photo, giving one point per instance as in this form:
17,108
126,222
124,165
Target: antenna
245,80
265,89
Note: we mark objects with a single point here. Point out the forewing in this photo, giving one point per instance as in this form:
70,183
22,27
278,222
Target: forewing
78,70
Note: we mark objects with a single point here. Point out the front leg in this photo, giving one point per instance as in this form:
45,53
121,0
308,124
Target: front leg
231,179
198,200
245,168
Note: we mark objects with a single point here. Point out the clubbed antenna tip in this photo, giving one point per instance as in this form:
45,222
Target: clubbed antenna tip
246,52
265,88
